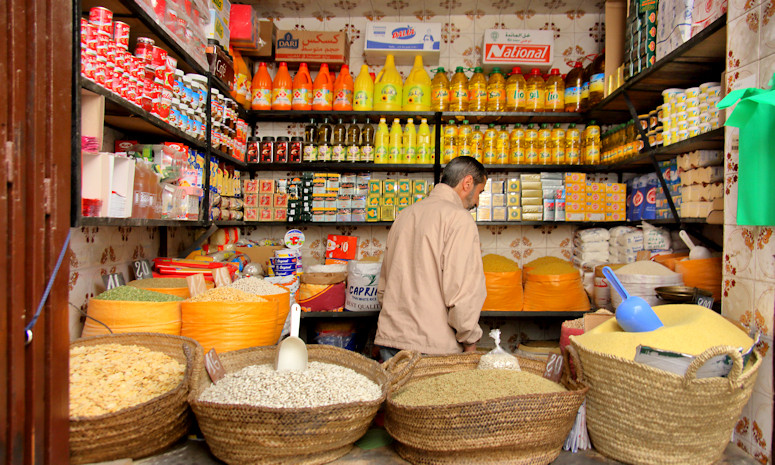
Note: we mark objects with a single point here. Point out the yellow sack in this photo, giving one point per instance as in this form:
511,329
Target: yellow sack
228,326
704,274
177,291
132,317
555,293
504,291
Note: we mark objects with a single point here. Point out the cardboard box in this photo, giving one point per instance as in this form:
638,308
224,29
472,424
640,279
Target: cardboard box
515,213
506,48
244,27
484,214
576,188
594,216
267,37
575,207
218,26
403,41
295,46
575,178
372,213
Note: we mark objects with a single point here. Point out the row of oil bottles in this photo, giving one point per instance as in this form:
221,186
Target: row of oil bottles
387,91
530,145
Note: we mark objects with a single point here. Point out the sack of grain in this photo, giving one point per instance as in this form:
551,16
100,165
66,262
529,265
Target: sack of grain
642,277
128,309
504,284
362,281
555,287
322,292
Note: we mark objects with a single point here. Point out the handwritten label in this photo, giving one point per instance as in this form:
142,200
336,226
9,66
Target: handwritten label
113,280
196,284
554,368
214,366
705,301
142,269
222,277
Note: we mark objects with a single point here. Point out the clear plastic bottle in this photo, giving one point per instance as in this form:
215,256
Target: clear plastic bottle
310,141
572,145
585,89
531,142
440,91
477,91
490,145
464,141
573,83
395,143
597,80
424,143
352,142
535,91
477,144
381,142
555,92
557,145
592,144
324,132
409,151
496,91
516,87
449,142
338,136
517,145
458,91
367,142
502,147
544,154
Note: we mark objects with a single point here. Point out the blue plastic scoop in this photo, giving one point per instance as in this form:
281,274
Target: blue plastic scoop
634,314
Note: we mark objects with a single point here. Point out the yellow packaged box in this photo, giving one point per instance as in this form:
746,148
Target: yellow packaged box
615,187
615,197
498,200
419,186
576,187
595,187
595,207
532,209
595,196
387,213
372,201
513,185
512,200
485,199
530,177
532,216
389,187
417,197
375,187
575,178
387,201
620,207
575,207
615,216
403,201
574,216
372,213
515,213
499,213
531,185
497,187
532,201
575,197
483,214
537,193
594,216
404,186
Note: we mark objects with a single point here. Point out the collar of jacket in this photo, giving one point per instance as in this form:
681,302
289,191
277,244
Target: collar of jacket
445,192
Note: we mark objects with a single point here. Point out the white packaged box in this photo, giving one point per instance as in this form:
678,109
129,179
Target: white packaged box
674,25
403,41
705,12
505,48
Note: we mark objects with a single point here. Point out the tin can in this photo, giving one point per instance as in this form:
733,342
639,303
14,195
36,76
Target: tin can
295,150
144,49
121,34
172,21
89,60
102,18
102,40
100,70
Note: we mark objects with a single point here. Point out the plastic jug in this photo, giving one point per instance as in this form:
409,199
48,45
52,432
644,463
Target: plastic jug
502,146
409,153
242,84
477,144
282,89
440,91
573,84
517,145
388,87
555,92
477,91
458,91
516,86
395,142
496,91
262,89
449,142
363,99
322,90
417,88
381,140
424,143
490,145
464,140
535,91
302,89
343,90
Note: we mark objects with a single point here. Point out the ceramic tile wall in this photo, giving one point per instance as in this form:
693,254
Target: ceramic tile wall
749,252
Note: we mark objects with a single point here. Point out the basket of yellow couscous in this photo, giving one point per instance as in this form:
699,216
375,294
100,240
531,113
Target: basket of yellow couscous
640,414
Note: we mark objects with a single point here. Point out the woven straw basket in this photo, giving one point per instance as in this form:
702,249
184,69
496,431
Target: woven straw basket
524,430
146,428
642,415
245,434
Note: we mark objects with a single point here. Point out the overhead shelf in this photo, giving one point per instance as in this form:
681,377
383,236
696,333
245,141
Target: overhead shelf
375,313
537,168
712,140
341,166
97,221
296,116
497,117
223,156
698,60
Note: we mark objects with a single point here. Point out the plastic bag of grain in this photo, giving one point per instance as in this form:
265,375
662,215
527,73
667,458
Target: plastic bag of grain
642,277
362,281
555,286
504,284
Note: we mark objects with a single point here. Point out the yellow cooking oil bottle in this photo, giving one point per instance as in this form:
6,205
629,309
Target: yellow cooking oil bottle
409,153
381,141
516,88
477,91
440,90
496,91
458,91
490,145
517,145
502,147
544,155
555,92
417,88
557,145
449,141
572,145
535,91
592,144
395,142
363,96
388,87
424,143
531,142
477,144
464,142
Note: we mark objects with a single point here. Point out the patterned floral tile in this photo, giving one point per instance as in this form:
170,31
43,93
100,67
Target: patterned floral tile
730,199
559,235
731,153
534,237
510,237
488,236
767,63
739,259
761,426
764,381
743,77
764,253
464,23
466,51
765,307
737,8
511,20
741,34
560,252
738,301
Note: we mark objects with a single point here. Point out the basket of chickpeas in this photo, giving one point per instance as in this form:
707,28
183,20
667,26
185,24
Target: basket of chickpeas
128,394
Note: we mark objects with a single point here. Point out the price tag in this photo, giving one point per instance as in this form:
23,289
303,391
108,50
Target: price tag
142,269
113,280
554,368
222,277
705,301
196,284
213,366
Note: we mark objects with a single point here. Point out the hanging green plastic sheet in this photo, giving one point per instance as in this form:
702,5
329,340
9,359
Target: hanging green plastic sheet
755,116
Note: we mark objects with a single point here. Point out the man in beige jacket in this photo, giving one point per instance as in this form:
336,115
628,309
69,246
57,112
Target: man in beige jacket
431,286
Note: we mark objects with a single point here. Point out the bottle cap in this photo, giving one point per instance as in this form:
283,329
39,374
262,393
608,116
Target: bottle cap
554,71
535,72
478,69
516,70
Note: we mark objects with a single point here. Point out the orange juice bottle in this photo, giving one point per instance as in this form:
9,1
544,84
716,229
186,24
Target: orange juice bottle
343,90
322,90
262,89
302,89
282,88
239,86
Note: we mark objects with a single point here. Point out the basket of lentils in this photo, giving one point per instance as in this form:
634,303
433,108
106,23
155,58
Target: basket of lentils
256,415
448,410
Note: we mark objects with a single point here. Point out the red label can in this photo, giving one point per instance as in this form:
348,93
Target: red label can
102,41
102,18
90,33
100,69
144,49
89,60
121,34
295,150
252,151
266,151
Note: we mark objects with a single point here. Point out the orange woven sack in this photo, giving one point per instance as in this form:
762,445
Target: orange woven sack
177,291
227,326
669,260
704,274
555,293
283,307
504,291
132,317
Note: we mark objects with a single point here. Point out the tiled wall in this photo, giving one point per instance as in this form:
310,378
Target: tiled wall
749,252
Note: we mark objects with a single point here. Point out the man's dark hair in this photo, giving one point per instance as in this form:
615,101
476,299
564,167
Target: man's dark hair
461,167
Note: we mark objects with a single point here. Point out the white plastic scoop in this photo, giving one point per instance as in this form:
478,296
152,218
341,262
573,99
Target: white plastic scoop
292,353
696,252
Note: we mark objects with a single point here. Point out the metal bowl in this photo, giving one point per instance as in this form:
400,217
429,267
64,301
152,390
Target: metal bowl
681,294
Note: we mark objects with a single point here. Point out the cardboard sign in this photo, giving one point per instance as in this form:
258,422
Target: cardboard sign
196,284
142,269
510,47
222,277
220,64
214,366
554,368
113,280
294,46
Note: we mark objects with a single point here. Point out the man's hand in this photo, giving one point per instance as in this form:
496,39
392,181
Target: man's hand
469,347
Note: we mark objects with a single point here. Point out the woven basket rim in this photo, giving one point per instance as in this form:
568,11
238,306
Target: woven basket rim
195,393
187,374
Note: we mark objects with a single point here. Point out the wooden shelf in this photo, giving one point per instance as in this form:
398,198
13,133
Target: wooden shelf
228,158
328,166
712,140
295,116
496,117
95,221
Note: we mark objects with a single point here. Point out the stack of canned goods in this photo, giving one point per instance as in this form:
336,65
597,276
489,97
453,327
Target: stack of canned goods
689,112
229,132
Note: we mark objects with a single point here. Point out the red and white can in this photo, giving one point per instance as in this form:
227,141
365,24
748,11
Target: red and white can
89,35
100,70
144,49
131,90
89,62
109,76
112,52
172,21
84,32
182,26
102,18
121,34
165,100
102,42
172,66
